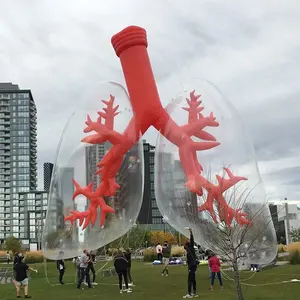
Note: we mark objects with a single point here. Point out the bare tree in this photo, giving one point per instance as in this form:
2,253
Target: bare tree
253,243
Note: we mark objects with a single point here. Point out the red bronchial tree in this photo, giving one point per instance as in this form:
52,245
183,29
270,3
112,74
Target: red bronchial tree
148,111
108,186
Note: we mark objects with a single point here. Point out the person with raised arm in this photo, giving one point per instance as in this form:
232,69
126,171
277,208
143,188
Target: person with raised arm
21,277
192,263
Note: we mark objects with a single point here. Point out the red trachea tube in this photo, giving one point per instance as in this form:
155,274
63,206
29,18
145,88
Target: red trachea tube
131,47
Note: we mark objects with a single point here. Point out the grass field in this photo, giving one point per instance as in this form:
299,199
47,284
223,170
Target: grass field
150,285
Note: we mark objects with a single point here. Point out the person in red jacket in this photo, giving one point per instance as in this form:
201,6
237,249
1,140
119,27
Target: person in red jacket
215,266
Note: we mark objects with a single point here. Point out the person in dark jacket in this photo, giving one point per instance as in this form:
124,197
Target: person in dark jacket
60,265
21,278
92,268
121,267
128,257
192,263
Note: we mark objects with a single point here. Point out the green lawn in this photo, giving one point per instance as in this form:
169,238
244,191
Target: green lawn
150,285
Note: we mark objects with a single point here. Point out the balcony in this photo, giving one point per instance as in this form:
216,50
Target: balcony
4,140
4,103
4,135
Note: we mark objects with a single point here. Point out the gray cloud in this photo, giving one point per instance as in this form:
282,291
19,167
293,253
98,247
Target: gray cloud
60,49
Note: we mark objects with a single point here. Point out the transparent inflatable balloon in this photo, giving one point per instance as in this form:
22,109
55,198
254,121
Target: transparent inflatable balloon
249,228
91,221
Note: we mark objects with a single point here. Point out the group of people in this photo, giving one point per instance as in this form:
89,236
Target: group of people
122,263
163,255
85,264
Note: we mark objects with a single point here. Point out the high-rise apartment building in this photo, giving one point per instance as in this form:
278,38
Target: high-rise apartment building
18,160
93,155
48,169
149,214
173,186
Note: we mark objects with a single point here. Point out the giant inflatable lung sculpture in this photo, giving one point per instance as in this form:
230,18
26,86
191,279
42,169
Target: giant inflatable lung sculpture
131,47
188,139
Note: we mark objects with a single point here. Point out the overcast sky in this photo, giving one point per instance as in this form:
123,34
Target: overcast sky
249,49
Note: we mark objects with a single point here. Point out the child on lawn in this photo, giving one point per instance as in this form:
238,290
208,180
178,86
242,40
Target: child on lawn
215,266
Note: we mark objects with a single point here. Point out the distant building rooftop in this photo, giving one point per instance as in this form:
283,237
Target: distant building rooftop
8,86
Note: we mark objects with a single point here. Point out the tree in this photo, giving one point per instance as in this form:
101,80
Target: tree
134,239
160,237
295,234
238,243
13,244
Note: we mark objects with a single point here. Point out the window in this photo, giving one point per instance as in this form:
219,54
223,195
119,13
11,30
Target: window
152,185
151,159
156,221
152,194
154,204
32,222
32,228
15,215
155,213
32,235
15,229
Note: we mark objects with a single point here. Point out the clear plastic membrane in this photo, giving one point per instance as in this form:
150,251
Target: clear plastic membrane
255,243
78,160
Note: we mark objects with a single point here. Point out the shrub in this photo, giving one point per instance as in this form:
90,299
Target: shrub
281,248
177,251
293,247
160,237
150,254
33,257
294,257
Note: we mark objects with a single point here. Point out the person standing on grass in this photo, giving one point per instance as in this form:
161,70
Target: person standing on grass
215,266
166,252
192,263
84,271
92,268
128,258
60,265
121,267
8,257
21,278
159,252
